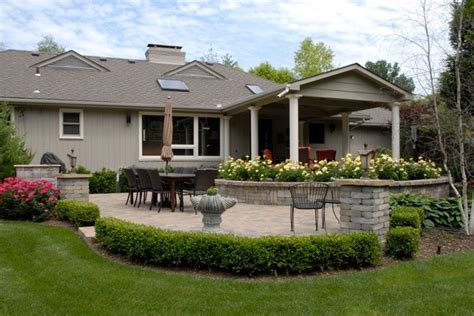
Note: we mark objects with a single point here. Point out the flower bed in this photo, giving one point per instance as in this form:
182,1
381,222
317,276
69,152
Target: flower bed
383,167
27,200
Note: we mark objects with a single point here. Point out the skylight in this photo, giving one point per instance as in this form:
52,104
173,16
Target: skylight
254,88
172,85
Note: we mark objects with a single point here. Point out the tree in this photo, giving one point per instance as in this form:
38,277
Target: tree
461,124
229,61
391,73
12,151
312,58
48,45
210,56
267,71
466,62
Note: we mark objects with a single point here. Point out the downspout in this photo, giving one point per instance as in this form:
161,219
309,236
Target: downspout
284,92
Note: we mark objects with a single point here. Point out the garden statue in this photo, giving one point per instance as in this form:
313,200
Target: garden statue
212,205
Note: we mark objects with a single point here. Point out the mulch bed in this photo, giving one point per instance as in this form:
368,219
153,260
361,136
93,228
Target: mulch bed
439,242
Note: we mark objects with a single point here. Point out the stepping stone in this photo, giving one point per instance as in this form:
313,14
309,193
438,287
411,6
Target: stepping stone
87,232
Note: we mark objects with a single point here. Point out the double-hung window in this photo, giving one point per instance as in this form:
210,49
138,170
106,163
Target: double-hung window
71,124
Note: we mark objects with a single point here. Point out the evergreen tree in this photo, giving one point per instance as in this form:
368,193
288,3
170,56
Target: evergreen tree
12,151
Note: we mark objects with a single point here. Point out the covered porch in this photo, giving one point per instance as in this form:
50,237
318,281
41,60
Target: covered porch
317,111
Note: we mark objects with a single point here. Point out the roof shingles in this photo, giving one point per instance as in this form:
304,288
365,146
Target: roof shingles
126,83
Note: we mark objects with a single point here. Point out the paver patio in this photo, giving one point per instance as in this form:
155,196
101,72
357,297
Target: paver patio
242,219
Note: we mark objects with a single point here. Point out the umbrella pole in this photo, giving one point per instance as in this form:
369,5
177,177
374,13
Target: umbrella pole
166,167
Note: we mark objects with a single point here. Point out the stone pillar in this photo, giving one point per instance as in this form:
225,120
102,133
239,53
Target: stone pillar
38,172
254,131
74,186
294,126
395,131
365,205
345,133
226,123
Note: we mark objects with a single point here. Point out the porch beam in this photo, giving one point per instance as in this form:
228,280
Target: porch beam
294,126
395,130
345,133
254,131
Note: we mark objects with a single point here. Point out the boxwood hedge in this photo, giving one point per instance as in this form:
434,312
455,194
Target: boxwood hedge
79,213
238,255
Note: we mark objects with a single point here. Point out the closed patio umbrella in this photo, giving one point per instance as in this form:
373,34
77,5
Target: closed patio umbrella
166,151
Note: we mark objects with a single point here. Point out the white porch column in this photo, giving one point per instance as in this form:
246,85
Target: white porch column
226,123
345,133
395,131
294,125
254,131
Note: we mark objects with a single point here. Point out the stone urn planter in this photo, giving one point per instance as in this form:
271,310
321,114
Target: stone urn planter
212,205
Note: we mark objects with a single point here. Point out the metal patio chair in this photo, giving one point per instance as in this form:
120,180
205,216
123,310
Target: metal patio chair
308,196
159,189
132,185
144,185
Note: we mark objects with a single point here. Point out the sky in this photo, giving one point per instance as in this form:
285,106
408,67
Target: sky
250,31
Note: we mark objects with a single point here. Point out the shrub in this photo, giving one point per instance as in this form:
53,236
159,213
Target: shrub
437,212
403,242
81,170
350,168
406,216
235,254
12,146
325,171
292,172
103,181
384,167
27,200
123,182
421,169
79,213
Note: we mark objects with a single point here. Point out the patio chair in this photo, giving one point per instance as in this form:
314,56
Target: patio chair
158,189
205,178
329,155
144,184
308,196
304,154
132,185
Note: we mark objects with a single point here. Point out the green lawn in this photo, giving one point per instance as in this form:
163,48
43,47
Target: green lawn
49,270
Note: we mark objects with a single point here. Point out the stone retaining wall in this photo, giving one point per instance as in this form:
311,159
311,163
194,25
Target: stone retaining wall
74,186
277,193
37,172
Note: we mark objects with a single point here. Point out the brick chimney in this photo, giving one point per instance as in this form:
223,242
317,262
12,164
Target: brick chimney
165,54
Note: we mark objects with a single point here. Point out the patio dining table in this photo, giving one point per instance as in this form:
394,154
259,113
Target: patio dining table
174,178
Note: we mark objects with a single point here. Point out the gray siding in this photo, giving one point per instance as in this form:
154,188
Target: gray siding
108,140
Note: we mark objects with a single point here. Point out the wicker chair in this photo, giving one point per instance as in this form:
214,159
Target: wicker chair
144,184
308,196
158,189
132,185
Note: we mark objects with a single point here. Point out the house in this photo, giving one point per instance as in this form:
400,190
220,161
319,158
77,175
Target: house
110,110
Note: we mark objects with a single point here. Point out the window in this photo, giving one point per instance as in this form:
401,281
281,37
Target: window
254,88
316,133
209,130
193,136
71,124
172,85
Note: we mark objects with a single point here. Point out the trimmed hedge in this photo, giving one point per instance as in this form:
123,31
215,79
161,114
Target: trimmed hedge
79,213
103,181
406,216
403,242
238,255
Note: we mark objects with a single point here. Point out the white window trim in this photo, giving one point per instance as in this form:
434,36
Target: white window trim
194,146
81,124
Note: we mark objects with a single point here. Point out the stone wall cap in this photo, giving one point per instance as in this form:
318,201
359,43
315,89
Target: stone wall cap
439,180
36,166
74,176
365,182
265,183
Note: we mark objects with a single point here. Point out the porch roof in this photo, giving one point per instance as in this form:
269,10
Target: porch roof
346,89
